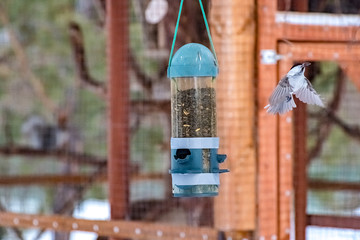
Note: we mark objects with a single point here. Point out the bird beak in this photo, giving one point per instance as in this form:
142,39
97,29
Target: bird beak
305,64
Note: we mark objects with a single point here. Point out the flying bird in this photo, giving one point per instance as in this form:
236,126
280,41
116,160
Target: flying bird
293,83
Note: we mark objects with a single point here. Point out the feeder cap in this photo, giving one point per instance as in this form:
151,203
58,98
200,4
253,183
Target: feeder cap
193,60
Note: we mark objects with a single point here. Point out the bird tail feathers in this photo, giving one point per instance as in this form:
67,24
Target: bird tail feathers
282,107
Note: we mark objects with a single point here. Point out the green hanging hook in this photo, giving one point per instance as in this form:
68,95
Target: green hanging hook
177,28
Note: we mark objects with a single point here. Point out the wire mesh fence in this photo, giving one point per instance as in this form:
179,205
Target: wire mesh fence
52,125
323,202
54,120
316,34
333,153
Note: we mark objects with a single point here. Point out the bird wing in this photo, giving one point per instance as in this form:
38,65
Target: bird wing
307,94
281,92
282,107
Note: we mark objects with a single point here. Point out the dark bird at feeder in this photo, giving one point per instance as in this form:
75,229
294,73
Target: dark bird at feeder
182,154
294,82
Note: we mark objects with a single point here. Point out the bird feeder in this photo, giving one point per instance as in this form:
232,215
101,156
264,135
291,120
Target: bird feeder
194,142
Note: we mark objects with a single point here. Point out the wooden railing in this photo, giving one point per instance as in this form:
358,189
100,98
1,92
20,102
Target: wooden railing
331,220
118,229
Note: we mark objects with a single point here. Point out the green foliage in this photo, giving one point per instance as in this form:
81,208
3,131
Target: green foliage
42,29
145,148
336,162
44,34
340,203
137,46
2,232
325,79
93,121
98,191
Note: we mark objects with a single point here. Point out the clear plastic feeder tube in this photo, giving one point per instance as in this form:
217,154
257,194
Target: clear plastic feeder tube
193,107
194,143
193,115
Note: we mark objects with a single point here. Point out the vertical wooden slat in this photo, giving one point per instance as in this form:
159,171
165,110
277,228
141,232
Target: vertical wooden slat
300,5
118,108
283,5
300,175
267,127
352,70
296,5
300,155
285,177
233,31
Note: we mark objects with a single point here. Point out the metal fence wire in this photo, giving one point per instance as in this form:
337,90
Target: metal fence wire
85,121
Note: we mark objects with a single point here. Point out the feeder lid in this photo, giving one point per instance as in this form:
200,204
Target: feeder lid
193,60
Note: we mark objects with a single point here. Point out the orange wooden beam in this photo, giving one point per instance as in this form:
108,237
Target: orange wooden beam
347,55
285,174
118,229
300,172
323,51
233,28
56,155
117,23
333,221
308,33
46,179
267,127
300,5
316,27
321,184
67,179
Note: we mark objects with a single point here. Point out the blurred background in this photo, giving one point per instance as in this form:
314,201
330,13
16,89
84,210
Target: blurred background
55,117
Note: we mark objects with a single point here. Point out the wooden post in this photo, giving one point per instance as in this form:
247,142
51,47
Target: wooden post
286,157
300,175
300,5
297,5
118,108
300,155
267,133
118,229
233,31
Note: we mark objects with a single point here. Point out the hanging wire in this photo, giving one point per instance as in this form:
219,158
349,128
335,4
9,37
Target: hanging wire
177,28
208,30
175,33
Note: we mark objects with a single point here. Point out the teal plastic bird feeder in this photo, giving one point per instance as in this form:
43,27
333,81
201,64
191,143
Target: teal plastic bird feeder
194,142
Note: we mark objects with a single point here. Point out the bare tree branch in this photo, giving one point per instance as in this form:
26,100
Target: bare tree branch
77,44
149,106
351,130
58,154
100,10
22,58
81,190
324,124
9,138
144,79
139,108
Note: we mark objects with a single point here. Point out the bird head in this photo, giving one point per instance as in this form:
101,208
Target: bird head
298,69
